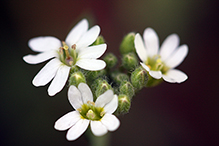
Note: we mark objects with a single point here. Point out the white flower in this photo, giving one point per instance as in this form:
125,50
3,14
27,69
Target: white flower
160,63
98,115
75,51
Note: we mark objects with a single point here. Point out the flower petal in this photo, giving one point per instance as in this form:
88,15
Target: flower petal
59,80
78,129
145,66
43,44
91,64
46,74
104,98
155,74
110,121
35,59
74,97
85,92
177,57
92,52
140,47
98,128
168,46
76,32
175,76
67,120
88,37
112,105
151,41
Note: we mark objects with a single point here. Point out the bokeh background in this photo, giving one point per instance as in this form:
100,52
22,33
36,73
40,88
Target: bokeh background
167,115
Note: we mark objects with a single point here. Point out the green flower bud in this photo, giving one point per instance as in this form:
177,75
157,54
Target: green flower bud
127,89
99,40
76,78
129,61
124,104
127,44
91,75
74,69
110,60
100,86
139,78
118,77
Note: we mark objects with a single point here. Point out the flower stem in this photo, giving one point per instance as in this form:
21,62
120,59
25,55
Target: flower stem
98,140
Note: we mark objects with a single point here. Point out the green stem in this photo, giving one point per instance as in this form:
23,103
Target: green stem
98,140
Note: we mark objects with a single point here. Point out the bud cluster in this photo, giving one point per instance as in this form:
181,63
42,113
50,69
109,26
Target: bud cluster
125,81
76,60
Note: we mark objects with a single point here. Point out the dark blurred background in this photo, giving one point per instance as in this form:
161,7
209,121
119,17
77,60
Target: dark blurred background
167,115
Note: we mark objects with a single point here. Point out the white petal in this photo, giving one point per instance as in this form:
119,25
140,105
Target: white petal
110,121
151,41
140,48
46,74
88,37
76,32
59,80
177,57
35,59
98,128
104,98
74,97
67,120
175,76
43,44
112,105
168,46
145,66
91,64
78,129
155,74
85,92
92,52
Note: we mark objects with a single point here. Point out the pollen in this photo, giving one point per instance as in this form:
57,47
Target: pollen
148,66
91,103
64,45
159,60
90,114
73,46
79,110
102,113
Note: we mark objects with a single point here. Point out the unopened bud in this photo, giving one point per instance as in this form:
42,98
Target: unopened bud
129,61
139,78
110,60
99,40
101,86
74,68
124,104
127,44
118,77
76,78
127,89
92,75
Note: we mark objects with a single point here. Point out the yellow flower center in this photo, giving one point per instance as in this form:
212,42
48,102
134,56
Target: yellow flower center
155,64
91,112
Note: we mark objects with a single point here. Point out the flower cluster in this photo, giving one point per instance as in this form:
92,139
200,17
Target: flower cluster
101,90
